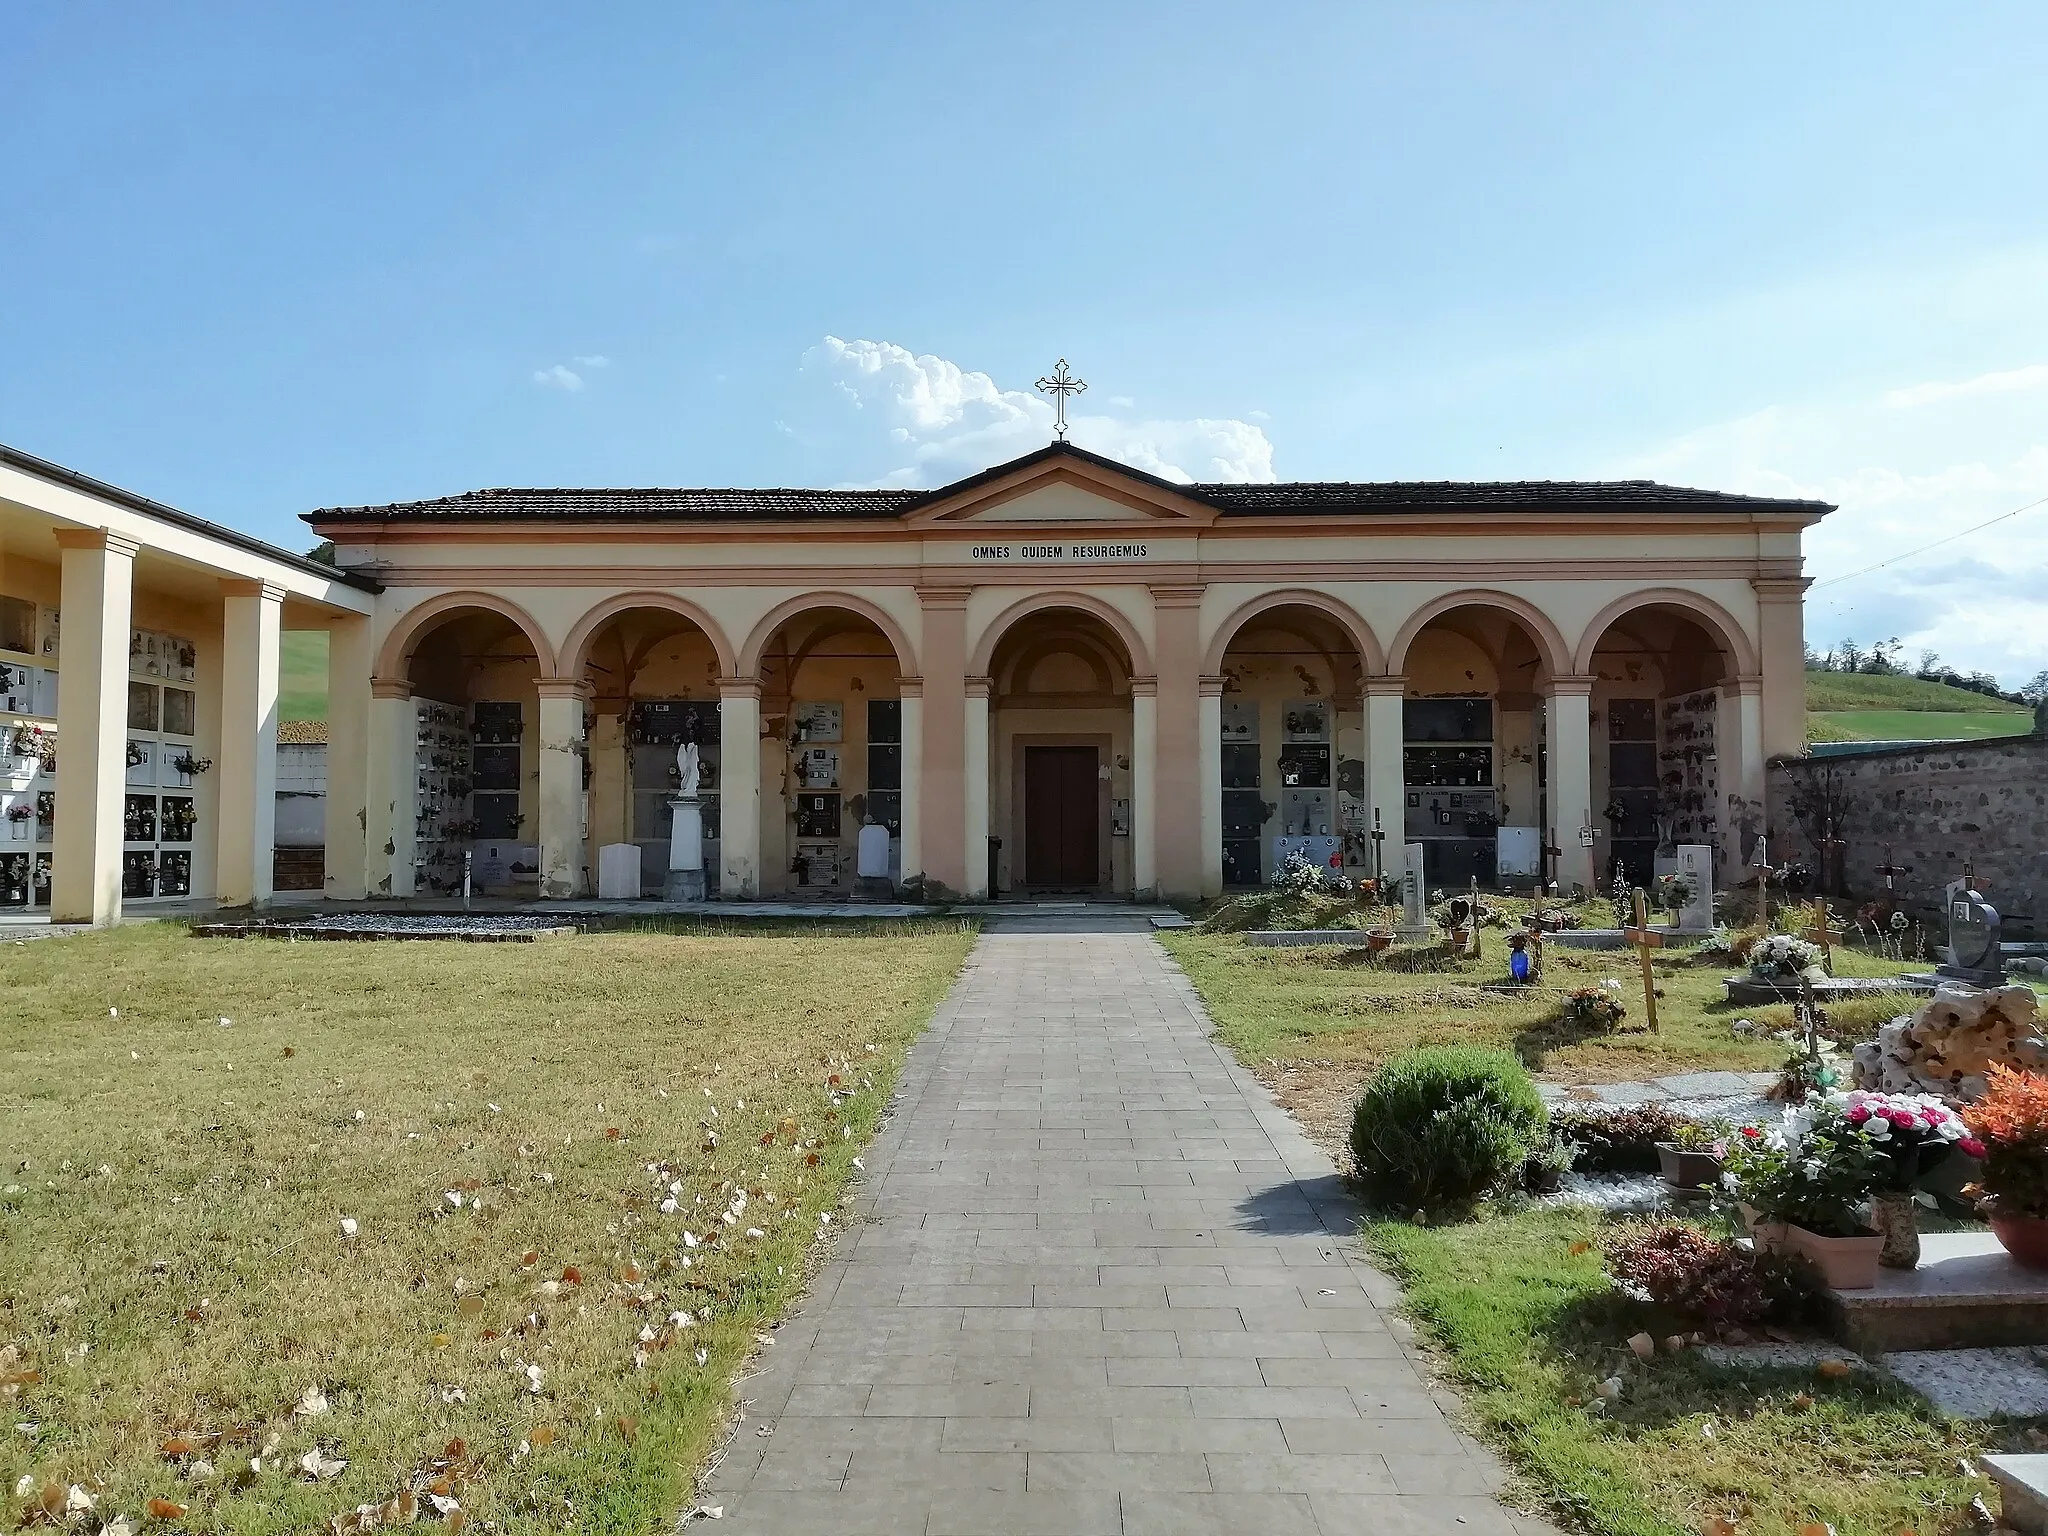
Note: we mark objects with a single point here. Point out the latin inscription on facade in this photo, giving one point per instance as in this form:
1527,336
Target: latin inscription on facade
1025,554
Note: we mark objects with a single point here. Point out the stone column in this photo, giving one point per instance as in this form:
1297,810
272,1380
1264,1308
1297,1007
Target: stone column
1781,653
348,759
390,830
1144,776
248,742
95,595
943,782
1386,770
910,841
1210,726
1743,788
560,819
1569,725
739,788
1177,801
974,773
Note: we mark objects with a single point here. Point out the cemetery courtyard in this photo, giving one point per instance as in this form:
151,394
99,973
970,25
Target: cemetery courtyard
289,1229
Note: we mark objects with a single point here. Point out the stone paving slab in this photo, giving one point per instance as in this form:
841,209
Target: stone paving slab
1096,1282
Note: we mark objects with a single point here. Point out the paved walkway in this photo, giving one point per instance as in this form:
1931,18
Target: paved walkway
1098,1295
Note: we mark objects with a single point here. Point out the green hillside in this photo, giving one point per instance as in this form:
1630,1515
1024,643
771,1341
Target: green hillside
1830,692
302,675
1859,706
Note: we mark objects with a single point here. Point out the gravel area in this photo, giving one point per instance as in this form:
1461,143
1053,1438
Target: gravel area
1977,1383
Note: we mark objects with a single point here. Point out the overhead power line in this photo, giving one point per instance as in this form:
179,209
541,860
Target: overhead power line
1834,581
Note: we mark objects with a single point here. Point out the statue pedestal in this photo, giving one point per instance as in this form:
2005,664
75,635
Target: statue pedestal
685,851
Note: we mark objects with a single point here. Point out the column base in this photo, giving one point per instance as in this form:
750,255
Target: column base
684,885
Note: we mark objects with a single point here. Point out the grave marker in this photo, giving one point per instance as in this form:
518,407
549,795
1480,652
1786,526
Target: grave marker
1820,930
1414,916
1696,863
1974,933
1643,938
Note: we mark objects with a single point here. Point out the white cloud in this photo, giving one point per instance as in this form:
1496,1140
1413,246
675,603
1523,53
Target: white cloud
2005,382
597,361
1901,483
940,421
558,377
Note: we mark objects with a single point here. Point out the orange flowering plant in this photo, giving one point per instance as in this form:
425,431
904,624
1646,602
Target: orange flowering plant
2012,1122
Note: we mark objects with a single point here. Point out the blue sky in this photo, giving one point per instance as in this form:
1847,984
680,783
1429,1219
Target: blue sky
262,258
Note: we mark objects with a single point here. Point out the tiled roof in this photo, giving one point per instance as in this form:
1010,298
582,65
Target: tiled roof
1307,498
1390,496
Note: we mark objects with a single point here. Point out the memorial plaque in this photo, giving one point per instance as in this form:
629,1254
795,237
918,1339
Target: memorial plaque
1696,862
1974,935
1414,912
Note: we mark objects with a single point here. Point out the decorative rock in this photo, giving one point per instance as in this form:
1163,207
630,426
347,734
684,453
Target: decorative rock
1946,1047
1644,1346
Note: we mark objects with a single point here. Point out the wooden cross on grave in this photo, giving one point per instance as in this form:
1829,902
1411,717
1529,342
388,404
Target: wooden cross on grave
1820,930
1891,872
1379,875
1644,939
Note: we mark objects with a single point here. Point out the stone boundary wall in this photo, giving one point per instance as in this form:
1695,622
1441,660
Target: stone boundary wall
1933,807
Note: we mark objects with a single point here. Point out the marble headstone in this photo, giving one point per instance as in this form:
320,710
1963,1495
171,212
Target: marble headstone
1974,955
1696,861
1414,911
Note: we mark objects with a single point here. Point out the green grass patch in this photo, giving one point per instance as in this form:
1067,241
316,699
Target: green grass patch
1331,1004
172,1189
302,675
1914,725
1527,1325
1830,691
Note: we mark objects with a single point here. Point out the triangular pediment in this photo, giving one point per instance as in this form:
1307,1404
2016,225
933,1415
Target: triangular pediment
1061,486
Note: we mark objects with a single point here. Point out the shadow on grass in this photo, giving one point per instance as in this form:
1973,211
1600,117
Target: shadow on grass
1556,1033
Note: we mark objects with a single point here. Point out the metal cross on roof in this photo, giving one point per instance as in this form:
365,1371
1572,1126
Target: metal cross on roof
1060,384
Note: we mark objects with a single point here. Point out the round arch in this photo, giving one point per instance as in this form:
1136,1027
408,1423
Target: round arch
576,649
1549,640
757,642
413,626
1718,621
1136,651
1346,617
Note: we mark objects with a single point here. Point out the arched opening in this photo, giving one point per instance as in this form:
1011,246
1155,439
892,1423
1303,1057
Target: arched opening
1665,726
1474,731
652,678
1061,756
474,674
837,770
1293,746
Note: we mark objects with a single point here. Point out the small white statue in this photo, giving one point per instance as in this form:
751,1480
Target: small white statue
686,768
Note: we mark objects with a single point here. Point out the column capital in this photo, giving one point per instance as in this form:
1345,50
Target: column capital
1384,684
1745,685
909,687
944,597
1780,589
739,688
1571,686
249,586
979,687
565,688
1144,687
1176,594
1210,685
390,688
97,538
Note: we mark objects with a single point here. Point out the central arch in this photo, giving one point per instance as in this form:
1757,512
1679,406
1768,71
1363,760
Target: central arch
1119,623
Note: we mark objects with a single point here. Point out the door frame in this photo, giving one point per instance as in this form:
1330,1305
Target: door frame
1105,854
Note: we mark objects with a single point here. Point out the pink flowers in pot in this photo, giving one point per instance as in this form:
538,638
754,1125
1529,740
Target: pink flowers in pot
1912,1129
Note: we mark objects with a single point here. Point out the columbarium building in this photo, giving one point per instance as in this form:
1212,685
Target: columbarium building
1059,675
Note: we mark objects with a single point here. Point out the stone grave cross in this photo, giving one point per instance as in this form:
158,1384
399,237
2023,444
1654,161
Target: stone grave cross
1643,939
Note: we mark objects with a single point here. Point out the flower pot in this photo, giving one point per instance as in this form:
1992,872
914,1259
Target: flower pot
1378,941
1896,1217
2024,1237
1684,1169
1845,1263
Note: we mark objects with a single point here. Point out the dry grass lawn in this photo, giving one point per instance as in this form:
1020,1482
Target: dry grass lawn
516,1326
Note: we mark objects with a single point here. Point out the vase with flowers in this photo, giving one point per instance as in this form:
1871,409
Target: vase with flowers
2011,1123
1914,1132
1812,1173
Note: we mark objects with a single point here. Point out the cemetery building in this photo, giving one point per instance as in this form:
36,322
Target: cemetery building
139,695
1058,675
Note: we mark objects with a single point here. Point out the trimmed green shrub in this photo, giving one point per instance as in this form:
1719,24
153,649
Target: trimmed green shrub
1441,1125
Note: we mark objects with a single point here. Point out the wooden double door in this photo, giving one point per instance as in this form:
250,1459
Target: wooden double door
1062,818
